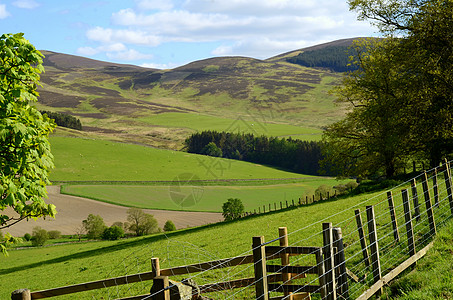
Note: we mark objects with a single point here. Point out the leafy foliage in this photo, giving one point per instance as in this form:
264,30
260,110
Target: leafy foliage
113,233
232,209
54,234
140,222
295,155
401,96
94,226
335,58
64,120
27,237
39,236
169,226
25,157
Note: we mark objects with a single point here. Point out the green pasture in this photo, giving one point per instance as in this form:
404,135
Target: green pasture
254,124
191,197
78,159
43,268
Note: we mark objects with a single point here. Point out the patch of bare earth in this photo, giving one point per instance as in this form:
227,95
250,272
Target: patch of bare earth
72,210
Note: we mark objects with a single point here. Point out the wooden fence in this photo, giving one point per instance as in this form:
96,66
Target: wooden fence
332,279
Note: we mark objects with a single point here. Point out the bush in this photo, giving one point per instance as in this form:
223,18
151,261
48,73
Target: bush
113,233
232,209
39,236
169,226
54,234
211,149
27,237
1,236
94,226
140,222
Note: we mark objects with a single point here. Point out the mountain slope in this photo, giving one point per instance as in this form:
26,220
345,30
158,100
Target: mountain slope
134,104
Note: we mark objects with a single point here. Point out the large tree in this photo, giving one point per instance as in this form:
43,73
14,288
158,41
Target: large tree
25,157
401,96
426,41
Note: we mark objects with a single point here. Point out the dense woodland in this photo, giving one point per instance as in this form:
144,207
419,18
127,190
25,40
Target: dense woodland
290,154
64,120
335,58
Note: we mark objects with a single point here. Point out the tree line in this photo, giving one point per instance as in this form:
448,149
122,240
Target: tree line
335,58
287,153
64,120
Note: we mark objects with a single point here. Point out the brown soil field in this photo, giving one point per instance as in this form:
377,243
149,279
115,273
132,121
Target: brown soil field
72,210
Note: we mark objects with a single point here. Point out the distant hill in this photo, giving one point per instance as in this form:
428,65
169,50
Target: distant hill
135,104
333,56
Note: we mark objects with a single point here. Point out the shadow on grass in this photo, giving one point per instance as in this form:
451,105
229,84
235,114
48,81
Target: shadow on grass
124,244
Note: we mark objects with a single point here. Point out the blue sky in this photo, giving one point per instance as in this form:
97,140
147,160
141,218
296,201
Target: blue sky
170,33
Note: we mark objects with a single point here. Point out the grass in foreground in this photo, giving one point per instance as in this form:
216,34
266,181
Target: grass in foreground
48,267
433,277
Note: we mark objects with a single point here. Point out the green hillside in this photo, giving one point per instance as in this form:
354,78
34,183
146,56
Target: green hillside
162,107
78,159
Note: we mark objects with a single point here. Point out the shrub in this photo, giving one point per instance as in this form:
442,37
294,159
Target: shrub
94,226
140,222
211,149
54,234
169,226
113,233
232,209
27,237
1,236
39,236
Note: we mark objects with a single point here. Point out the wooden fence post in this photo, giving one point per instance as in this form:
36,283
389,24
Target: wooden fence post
22,294
415,199
306,199
283,236
374,247
275,206
408,219
155,266
358,219
340,265
429,209
396,233
286,203
293,202
329,263
435,189
259,263
447,176
160,290
264,209
281,205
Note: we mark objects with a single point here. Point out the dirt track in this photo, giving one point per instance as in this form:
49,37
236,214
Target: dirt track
72,210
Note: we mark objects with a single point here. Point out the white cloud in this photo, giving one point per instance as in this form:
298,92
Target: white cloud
256,28
28,4
154,4
107,35
129,55
159,66
3,12
89,51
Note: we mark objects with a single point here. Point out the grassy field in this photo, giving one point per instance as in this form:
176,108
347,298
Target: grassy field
48,267
42,268
257,125
78,159
199,198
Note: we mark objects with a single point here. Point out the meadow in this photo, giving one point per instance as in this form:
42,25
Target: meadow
255,124
204,198
78,159
41,268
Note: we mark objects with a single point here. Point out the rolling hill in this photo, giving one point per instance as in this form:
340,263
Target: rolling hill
148,106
